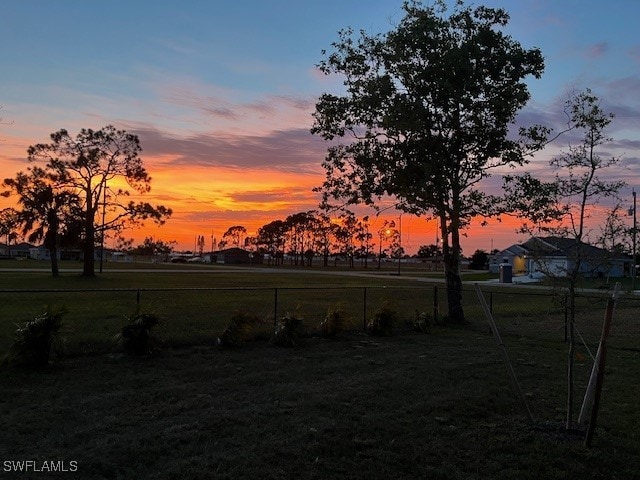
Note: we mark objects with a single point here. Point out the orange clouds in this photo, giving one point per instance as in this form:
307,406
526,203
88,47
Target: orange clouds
209,199
212,182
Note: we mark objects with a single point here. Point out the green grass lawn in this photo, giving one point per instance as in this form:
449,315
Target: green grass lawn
412,406
190,309
196,303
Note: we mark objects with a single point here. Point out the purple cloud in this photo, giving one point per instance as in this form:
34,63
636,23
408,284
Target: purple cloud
298,103
597,50
634,52
225,105
262,108
220,111
294,150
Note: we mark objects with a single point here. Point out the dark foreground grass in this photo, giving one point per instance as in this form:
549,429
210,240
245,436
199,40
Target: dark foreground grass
411,406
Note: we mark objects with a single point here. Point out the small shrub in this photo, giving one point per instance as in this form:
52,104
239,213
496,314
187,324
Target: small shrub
241,329
35,339
381,325
334,322
422,322
136,337
287,331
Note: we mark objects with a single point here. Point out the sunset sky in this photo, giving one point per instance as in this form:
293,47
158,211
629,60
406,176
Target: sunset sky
221,94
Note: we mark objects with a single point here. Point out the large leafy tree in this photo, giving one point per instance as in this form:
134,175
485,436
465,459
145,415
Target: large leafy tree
479,260
103,167
272,237
426,116
428,251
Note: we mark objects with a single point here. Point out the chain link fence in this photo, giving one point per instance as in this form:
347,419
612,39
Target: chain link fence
199,315
545,315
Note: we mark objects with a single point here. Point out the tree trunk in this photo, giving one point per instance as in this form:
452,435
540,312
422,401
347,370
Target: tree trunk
454,288
88,268
51,240
55,271
571,354
451,256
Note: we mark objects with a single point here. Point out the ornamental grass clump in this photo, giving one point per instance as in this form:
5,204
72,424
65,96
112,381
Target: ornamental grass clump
242,328
422,322
334,322
287,332
381,325
136,337
35,340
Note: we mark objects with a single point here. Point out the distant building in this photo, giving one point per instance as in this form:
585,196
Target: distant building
540,256
122,257
19,250
236,256
515,256
70,254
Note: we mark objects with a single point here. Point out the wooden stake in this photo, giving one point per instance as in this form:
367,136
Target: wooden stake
587,402
599,366
503,351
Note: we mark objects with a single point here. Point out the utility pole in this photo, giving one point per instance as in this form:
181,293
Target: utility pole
635,230
104,207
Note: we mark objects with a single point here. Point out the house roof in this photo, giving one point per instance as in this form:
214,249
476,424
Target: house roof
22,246
517,250
233,250
514,249
553,247
560,246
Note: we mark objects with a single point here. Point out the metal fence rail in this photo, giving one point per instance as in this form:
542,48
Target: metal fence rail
199,315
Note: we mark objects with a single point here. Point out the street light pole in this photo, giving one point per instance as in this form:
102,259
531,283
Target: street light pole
399,242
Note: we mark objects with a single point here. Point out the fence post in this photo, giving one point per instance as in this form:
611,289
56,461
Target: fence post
491,302
275,307
364,309
436,309
138,301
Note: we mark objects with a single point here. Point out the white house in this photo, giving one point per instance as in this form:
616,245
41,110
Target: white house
556,256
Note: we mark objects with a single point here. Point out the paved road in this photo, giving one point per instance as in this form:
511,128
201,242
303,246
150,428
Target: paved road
197,269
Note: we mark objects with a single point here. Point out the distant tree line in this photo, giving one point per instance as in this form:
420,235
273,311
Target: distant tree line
303,236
